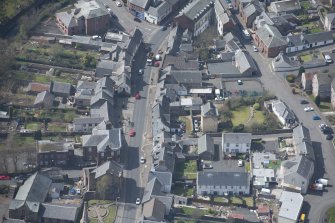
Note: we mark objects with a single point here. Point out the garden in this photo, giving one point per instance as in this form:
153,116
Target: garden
101,209
246,114
186,170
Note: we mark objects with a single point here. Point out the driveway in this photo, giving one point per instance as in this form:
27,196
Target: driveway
317,203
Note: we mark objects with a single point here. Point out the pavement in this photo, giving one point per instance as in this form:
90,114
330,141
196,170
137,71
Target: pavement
316,203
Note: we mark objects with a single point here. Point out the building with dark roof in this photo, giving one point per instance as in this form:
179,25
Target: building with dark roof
159,10
285,7
88,18
110,173
138,7
44,100
154,210
321,85
206,147
269,40
209,118
34,88
284,114
306,41
249,12
224,22
329,22
61,89
196,16
223,183
236,142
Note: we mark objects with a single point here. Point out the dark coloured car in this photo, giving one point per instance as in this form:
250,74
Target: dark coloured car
163,28
329,137
304,102
137,19
327,130
316,117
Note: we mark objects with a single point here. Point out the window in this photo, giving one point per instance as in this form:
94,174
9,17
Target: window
325,42
227,144
248,144
236,145
102,154
89,149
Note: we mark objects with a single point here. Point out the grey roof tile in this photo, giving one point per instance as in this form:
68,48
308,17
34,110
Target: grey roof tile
223,179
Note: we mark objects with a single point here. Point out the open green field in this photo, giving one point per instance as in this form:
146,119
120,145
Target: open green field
241,116
331,215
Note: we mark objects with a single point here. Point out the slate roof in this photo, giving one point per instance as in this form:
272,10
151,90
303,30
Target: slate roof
291,204
87,120
209,109
205,144
132,44
154,187
105,67
60,87
223,179
220,12
160,9
324,79
236,138
60,212
282,109
154,210
34,189
103,138
331,17
271,36
68,19
300,165
104,110
302,142
251,9
44,98
244,61
285,6
86,85
140,3
110,167
319,37
180,63
89,9
187,76
193,8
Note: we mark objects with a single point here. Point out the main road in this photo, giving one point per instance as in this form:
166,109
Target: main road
315,203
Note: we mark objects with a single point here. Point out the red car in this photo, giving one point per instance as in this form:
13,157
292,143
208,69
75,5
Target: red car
132,133
137,96
3,177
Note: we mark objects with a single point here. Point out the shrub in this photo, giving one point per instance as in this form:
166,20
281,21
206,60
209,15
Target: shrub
290,78
238,128
257,106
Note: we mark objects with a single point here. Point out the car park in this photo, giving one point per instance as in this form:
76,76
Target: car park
138,201
308,109
304,102
316,117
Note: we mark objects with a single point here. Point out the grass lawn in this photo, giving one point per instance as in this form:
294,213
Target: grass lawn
187,169
57,115
249,201
236,201
247,166
306,58
34,126
305,5
56,127
111,215
325,106
315,30
331,215
274,164
220,199
188,123
193,211
240,115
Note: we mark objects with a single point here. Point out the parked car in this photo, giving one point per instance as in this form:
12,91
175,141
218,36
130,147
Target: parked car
327,130
329,137
239,82
4,177
132,133
137,19
255,48
308,109
140,72
163,28
304,102
316,117
328,59
142,160
240,163
137,96
138,201
118,4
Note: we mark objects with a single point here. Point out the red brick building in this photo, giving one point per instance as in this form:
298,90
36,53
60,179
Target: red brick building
88,18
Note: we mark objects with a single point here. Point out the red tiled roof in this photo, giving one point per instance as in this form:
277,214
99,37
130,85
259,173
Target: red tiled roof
38,87
263,209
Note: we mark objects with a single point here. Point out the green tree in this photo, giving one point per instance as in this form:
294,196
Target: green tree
257,106
317,101
301,70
